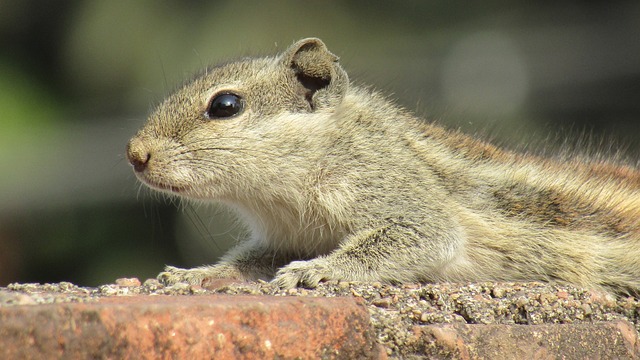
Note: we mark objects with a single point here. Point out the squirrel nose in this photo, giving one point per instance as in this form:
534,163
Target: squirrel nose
138,156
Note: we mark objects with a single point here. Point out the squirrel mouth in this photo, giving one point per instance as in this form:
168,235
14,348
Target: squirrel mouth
165,187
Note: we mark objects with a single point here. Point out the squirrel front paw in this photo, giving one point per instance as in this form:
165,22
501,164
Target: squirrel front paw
304,274
197,276
173,275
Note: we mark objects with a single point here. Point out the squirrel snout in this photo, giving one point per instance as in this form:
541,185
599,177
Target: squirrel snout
137,154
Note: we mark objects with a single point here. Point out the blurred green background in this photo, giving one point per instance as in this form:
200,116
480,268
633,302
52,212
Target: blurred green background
78,77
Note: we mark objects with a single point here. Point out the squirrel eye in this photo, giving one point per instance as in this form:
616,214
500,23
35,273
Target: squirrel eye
224,106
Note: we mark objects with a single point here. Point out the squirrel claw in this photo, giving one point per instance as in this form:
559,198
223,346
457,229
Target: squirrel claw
173,275
201,276
306,274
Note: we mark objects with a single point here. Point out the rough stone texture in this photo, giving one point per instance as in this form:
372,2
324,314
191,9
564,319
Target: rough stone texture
411,321
189,327
608,340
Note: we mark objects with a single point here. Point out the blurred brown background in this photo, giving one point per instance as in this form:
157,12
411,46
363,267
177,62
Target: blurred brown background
78,77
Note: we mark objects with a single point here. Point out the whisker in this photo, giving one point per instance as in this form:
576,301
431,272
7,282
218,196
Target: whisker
204,235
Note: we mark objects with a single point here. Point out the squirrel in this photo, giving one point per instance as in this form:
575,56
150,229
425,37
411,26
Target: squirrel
335,182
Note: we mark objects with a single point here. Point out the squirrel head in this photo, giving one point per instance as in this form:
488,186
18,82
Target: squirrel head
305,78
240,123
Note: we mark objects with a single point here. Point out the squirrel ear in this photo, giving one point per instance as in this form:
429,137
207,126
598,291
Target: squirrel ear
316,69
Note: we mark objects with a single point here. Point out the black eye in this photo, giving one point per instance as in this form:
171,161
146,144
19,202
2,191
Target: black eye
224,106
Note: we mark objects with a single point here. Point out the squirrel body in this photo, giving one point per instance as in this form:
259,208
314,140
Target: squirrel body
337,183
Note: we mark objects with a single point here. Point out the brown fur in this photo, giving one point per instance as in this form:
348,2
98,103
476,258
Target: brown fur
336,182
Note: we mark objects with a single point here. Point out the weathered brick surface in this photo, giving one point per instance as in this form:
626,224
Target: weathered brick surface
605,340
189,327
268,327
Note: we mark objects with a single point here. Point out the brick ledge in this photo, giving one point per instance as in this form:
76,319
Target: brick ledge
189,327
250,326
